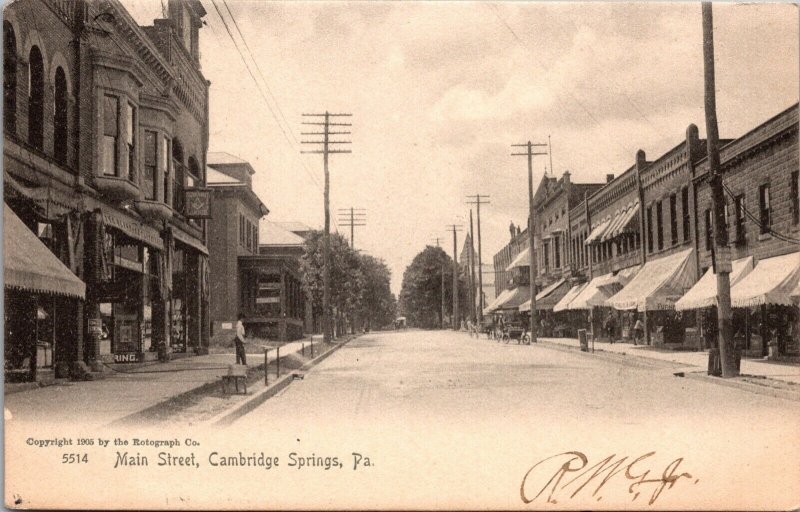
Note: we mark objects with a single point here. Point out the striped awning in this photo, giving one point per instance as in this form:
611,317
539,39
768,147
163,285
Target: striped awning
772,281
621,221
592,294
523,259
29,265
563,304
659,284
597,232
526,306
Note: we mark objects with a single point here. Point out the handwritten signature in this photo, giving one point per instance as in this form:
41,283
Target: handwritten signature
570,474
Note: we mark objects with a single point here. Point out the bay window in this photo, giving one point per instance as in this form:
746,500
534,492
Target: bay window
150,165
108,147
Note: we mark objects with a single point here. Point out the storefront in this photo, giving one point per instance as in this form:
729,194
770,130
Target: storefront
545,300
41,297
189,294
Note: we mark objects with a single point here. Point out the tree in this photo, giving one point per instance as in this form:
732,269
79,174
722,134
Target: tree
378,305
421,293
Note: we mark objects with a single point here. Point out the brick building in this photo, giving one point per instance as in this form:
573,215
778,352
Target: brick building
105,137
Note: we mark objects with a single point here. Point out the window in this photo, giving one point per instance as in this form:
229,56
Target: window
130,142
60,118
110,133
249,234
255,237
177,176
557,252
795,198
649,229
194,177
36,99
165,161
660,225
740,232
241,229
685,212
546,251
709,229
9,78
765,217
673,218
150,165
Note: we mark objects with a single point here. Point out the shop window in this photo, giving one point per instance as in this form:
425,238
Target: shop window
9,78
685,212
130,142
660,225
60,117
673,218
36,99
708,216
795,198
110,133
765,208
649,229
739,205
150,165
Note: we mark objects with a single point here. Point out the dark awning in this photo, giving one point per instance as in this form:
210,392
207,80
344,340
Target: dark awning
29,265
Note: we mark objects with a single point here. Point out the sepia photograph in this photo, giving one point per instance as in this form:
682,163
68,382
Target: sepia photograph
401,255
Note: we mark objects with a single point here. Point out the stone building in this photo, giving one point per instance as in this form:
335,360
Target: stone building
105,139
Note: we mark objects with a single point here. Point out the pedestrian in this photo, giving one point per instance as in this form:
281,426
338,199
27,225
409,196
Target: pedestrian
638,330
611,326
241,358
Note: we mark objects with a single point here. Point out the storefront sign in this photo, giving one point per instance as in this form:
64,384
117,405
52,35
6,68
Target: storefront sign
129,357
129,264
198,203
133,228
268,300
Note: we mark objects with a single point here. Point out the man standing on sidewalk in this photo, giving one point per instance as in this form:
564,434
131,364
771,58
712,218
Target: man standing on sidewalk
241,358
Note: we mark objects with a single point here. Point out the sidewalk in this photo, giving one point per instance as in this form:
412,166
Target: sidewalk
127,391
786,372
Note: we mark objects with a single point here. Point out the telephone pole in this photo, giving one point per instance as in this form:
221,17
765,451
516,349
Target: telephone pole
473,316
530,153
722,252
478,200
326,151
456,228
442,293
354,218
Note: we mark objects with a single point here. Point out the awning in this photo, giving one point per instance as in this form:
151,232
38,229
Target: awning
526,306
548,302
488,310
659,284
190,241
510,299
523,259
621,222
29,265
598,230
127,223
611,284
563,304
592,295
772,281
613,224
704,293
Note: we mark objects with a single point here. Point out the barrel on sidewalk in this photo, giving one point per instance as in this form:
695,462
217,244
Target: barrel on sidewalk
584,340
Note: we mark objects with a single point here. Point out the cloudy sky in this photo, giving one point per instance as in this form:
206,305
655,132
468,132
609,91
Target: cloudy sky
439,91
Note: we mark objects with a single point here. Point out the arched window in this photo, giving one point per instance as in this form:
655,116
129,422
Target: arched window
177,176
60,118
36,99
9,78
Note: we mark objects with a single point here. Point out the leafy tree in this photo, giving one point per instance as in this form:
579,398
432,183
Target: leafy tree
378,306
421,293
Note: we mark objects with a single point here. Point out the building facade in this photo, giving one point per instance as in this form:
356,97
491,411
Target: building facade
105,139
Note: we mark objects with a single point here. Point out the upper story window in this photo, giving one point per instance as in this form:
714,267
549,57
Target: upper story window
165,151
708,216
9,78
60,107
739,206
130,141
765,208
795,197
685,212
177,176
649,229
150,165
36,99
673,218
110,161
557,252
660,225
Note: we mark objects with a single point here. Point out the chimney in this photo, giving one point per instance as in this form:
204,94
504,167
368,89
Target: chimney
512,230
566,178
609,178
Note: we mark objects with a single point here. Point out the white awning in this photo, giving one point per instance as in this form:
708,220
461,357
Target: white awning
612,284
704,293
597,232
624,222
659,284
523,259
526,306
573,292
592,295
488,310
618,215
772,281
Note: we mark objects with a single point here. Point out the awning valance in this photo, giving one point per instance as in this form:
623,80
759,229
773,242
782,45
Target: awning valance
549,297
128,224
523,259
704,293
659,284
29,265
563,304
772,281
597,232
592,295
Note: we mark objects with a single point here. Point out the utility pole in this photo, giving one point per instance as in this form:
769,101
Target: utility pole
354,218
326,150
530,153
473,316
478,200
455,228
722,253
442,293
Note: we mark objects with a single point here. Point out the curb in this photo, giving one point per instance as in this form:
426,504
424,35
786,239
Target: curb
226,418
